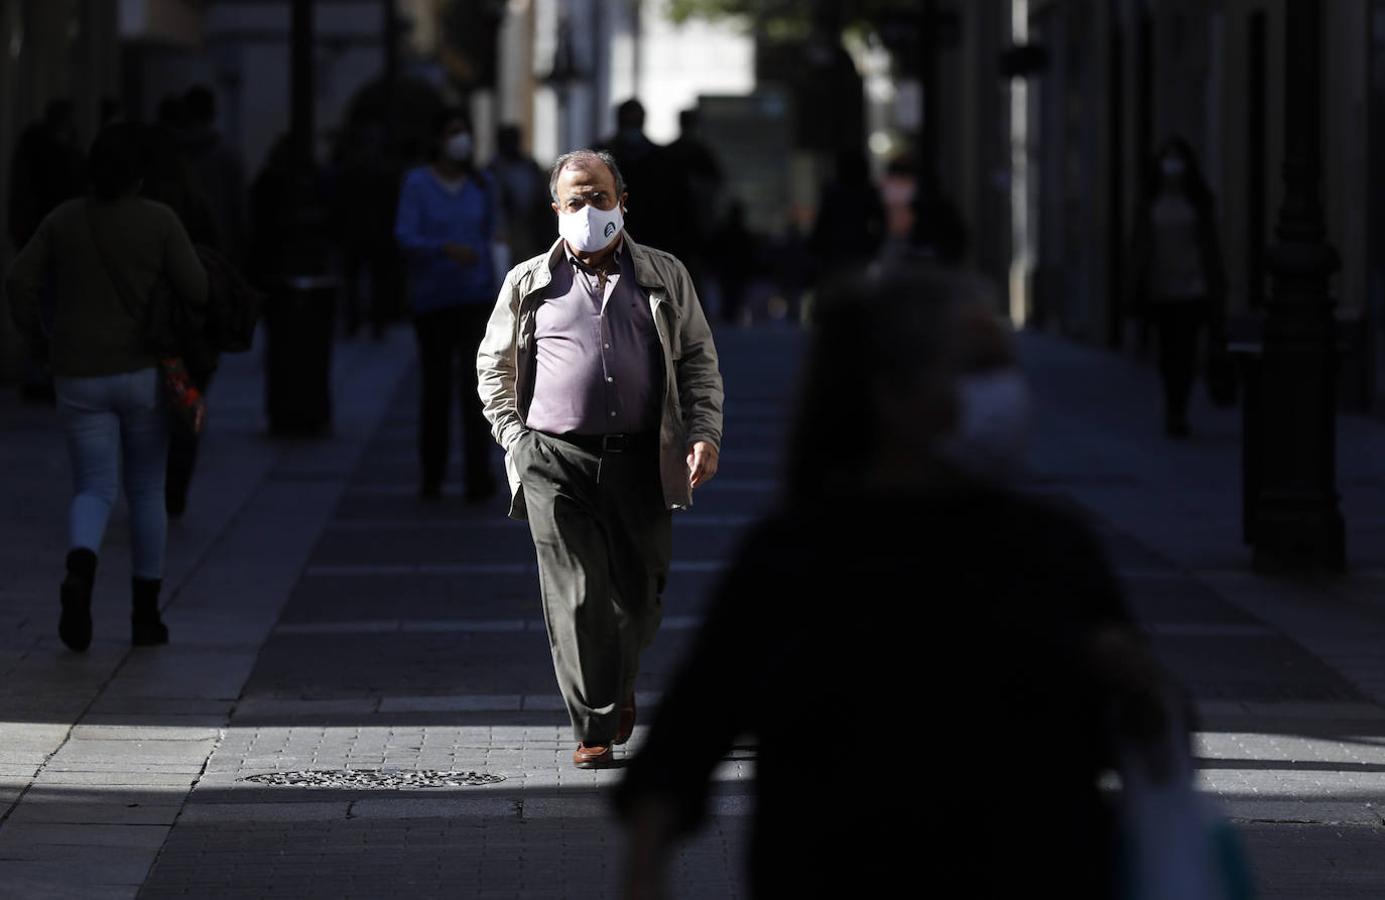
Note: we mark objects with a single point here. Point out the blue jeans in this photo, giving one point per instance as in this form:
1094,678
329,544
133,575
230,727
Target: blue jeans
116,422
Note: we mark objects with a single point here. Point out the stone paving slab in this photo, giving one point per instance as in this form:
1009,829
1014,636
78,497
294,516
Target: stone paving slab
1326,862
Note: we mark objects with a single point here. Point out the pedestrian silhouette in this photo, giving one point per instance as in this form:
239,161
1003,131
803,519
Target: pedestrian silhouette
901,580
108,255
171,180
850,224
693,183
217,166
363,195
645,168
47,168
1179,281
526,217
735,252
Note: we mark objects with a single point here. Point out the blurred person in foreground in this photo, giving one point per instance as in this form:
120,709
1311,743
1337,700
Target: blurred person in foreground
108,385
600,380
446,222
901,580
1180,281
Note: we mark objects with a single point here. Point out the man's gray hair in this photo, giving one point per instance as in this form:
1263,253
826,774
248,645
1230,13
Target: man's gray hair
575,159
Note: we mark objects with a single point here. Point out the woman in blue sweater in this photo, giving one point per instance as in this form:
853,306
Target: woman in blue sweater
445,224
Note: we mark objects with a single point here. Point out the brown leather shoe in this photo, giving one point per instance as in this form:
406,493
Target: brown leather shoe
592,756
627,720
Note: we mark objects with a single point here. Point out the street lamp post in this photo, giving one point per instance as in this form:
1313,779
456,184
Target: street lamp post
1295,522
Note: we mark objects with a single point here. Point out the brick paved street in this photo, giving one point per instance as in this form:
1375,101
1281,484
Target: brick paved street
324,618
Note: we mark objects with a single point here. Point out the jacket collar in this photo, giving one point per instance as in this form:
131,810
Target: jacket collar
646,275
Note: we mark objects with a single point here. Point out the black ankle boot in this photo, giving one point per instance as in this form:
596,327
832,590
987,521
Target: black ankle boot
146,628
74,627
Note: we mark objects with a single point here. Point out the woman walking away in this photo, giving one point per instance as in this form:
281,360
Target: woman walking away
445,225
1179,283
108,384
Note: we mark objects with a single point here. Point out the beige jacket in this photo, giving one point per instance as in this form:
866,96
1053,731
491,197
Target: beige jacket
692,406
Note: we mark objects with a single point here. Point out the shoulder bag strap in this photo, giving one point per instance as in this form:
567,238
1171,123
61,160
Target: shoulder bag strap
122,287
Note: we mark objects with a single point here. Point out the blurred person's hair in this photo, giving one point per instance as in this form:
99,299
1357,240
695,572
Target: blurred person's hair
689,120
119,160
877,330
199,105
630,114
579,158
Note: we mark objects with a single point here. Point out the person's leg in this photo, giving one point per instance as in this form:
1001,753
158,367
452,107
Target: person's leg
144,436
476,437
574,580
641,542
435,365
91,427
144,439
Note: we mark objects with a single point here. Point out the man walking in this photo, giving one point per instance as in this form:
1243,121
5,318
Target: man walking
600,380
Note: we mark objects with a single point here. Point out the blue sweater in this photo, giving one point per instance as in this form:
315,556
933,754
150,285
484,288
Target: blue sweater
430,217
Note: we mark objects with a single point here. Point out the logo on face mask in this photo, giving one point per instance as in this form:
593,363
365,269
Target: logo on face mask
590,229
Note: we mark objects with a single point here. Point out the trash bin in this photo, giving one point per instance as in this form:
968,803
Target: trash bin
298,372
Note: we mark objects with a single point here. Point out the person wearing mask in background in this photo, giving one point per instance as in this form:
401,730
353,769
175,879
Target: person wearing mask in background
445,225
897,555
600,380
108,385
1180,284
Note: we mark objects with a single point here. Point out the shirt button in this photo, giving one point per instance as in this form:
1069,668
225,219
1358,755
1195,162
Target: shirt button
609,378
613,415
607,346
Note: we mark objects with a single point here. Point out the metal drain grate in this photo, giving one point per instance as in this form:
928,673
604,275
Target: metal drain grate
370,778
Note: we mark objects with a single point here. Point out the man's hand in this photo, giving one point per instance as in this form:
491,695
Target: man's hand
702,463
460,254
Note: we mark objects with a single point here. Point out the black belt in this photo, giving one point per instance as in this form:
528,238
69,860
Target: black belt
611,443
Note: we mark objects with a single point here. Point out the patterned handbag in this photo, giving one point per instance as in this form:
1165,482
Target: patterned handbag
185,402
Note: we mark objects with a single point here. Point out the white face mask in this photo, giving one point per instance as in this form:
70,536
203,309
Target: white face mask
992,425
458,147
590,229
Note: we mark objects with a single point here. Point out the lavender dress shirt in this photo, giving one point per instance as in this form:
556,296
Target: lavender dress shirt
597,359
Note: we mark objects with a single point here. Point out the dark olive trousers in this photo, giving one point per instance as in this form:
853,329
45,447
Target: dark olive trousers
603,538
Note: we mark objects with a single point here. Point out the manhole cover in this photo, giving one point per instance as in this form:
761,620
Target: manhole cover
367,778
